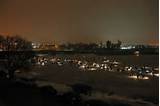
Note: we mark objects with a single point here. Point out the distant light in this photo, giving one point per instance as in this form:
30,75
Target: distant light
34,47
157,75
97,66
127,47
82,67
137,53
147,71
92,69
151,74
59,63
106,61
135,77
42,64
156,69
130,68
116,63
101,68
145,78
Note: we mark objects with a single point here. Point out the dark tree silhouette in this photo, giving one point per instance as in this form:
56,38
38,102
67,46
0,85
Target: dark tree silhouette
17,53
119,44
108,44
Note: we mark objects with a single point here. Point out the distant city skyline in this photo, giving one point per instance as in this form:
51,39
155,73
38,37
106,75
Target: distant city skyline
62,21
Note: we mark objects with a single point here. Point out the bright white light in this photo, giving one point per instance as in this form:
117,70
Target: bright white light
150,74
127,47
147,71
92,69
42,64
115,65
97,65
102,65
105,67
106,61
130,68
82,67
34,47
145,78
79,62
59,63
157,75
115,62
135,77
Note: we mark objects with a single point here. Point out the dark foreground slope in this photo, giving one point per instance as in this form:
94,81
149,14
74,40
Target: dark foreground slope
24,92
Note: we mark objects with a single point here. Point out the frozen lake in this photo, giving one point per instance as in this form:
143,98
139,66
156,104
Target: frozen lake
116,82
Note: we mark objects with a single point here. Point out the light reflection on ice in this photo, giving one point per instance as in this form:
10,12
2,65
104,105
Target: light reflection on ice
157,75
135,77
101,66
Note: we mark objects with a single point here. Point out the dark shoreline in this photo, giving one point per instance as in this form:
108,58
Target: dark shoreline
151,51
103,52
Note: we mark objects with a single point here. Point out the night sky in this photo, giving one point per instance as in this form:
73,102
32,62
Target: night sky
131,21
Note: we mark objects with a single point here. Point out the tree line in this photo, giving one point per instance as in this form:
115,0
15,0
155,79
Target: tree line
14,55
91,46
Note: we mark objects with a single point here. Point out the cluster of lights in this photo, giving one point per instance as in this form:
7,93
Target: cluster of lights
35,45
127,47
136,77
105,65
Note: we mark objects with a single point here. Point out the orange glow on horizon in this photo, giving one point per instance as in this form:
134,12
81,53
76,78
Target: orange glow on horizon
5,33
152,42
